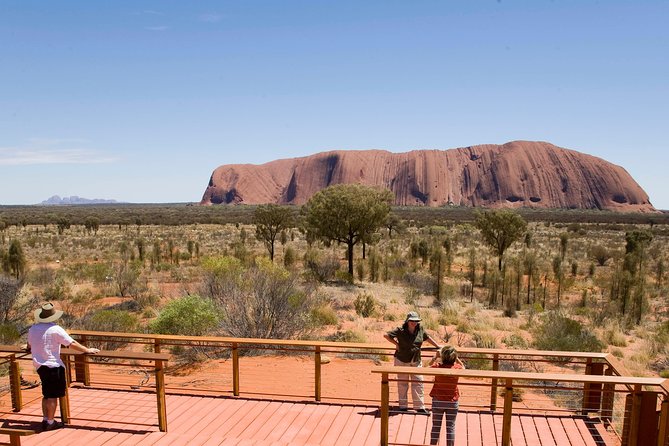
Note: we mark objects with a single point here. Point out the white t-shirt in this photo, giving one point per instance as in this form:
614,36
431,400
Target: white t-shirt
45,341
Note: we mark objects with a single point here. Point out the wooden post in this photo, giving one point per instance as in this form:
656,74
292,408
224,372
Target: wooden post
317,377
663,431
160,394
156,345
65,407
586,387
608,395
592,392
493,387
385,410
65,400
15,383
506,417
235,370
635,411
81,370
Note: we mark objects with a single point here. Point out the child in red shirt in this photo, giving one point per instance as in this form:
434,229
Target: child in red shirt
445,395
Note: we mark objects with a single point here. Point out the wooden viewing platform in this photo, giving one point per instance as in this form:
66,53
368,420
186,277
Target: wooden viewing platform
111,417
587,403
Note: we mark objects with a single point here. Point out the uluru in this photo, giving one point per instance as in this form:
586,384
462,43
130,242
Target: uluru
516,174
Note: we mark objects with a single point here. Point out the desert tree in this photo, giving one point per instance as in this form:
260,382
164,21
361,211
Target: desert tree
15,259
92,224
346,213
393,223
271,221
500,229
634,262
62,223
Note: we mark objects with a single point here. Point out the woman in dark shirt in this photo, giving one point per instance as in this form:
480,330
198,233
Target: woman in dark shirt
408,340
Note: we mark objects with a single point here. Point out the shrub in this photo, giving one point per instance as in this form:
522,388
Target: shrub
110,320
289,257
614,335
556,331
450,313
9,333
188,315
324,315
262,301
515,340
321,267
365,305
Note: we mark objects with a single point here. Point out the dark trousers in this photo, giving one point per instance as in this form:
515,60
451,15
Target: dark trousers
441,409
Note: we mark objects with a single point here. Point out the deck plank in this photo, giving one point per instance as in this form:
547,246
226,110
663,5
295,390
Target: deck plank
472,433
530,430
544,431
585,432
488,431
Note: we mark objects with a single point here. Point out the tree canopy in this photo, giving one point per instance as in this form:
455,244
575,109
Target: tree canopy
346,213
500,229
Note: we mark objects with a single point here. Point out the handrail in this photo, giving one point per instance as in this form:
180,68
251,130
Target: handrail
529,376
509,377
81,361
332,344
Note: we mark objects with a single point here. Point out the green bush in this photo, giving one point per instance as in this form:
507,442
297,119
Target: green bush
558,332
188,315
324,315
365,305
9,333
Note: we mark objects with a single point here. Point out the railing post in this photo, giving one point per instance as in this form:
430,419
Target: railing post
156,345
506,416
317,377
160,395
65,400
385,410
493,387
15,383
663,430
235,370
81,370
592,392
608,396
635,411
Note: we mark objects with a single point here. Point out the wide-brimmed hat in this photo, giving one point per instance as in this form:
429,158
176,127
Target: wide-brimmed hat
47,313
413,317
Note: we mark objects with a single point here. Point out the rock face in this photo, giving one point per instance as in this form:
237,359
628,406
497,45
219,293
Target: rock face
516,174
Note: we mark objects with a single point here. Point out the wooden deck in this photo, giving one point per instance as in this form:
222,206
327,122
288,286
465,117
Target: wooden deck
121,417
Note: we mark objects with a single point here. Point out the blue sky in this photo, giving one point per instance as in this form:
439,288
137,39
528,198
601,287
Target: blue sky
140,101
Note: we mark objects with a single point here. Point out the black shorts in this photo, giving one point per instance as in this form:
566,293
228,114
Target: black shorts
53,381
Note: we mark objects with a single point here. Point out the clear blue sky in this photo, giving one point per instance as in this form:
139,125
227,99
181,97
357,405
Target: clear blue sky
140,101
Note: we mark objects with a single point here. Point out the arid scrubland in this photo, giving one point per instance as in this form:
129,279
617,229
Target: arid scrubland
563,286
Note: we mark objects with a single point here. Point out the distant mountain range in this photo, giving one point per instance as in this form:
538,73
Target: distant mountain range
58,201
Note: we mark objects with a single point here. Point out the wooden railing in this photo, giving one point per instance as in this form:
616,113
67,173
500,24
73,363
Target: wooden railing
80,363
491,359
644,426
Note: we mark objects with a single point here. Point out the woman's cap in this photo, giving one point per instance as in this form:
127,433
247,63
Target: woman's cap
413,317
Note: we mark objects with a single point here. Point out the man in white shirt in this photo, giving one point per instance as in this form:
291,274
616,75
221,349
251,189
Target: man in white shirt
44,341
